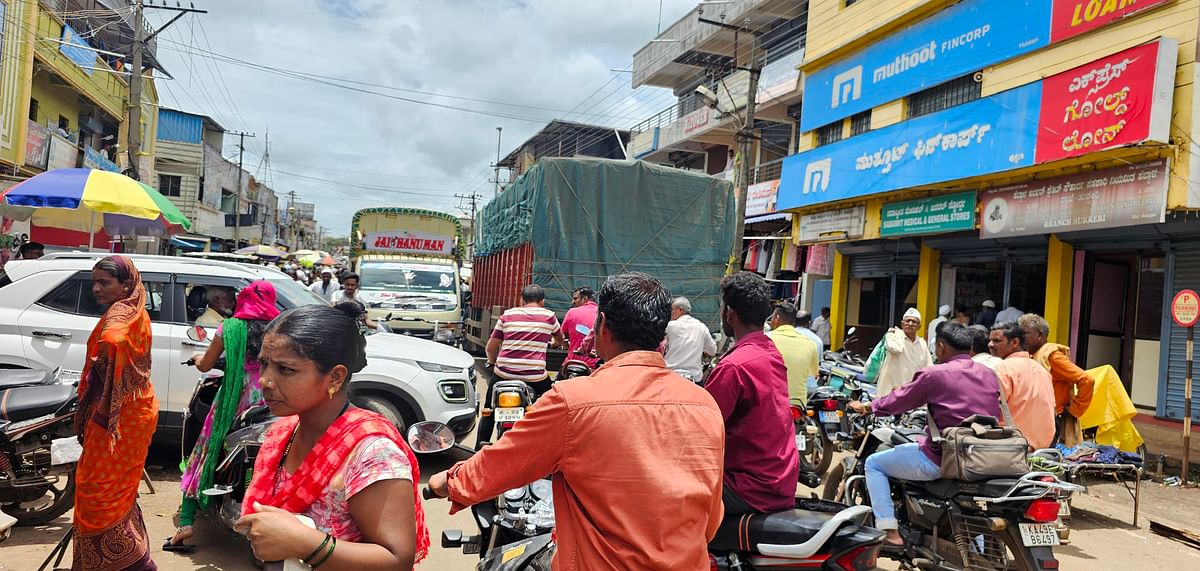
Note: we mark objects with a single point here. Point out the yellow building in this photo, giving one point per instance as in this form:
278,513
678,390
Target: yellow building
1036,154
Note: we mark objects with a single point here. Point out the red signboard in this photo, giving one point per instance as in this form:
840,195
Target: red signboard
1074,17
1118,100
408,243
1185,308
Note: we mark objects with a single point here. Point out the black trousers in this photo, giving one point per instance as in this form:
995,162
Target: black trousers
734,505
487,424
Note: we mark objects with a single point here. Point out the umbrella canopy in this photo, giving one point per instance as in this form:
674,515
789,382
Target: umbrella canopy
73,199
261,250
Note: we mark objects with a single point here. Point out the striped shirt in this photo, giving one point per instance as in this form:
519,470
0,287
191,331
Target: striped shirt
524,334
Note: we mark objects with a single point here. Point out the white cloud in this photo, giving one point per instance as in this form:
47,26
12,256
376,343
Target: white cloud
542,53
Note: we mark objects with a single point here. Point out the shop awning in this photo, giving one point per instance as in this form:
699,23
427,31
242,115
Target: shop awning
189,245
769,217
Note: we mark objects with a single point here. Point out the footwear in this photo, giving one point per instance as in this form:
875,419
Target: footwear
176,543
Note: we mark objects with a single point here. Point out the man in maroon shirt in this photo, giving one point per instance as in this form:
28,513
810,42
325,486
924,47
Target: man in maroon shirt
750,385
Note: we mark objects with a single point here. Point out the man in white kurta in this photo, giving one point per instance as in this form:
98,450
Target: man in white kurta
907,352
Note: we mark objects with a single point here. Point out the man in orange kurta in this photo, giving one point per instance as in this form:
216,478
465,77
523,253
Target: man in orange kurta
1072,385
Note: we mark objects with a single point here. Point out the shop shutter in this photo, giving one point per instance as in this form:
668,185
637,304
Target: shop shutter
1186,276
884,264
974,255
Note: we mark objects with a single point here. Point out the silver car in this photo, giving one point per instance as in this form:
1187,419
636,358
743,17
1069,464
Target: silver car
47,312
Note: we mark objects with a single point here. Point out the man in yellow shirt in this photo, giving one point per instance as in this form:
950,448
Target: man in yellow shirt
800,354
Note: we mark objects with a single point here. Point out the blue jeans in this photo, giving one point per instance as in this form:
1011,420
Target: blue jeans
904,462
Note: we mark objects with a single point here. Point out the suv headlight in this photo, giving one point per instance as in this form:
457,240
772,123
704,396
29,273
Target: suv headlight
436,368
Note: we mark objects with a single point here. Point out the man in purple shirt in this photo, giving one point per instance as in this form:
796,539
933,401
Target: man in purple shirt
750,386
954,389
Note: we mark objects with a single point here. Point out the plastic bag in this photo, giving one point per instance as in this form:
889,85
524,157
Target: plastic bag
875,362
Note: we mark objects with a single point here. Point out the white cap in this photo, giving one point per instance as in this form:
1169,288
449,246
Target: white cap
944,311
327,272
989,303
912,312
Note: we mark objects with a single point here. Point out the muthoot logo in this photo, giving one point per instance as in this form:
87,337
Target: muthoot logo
847,86
816,175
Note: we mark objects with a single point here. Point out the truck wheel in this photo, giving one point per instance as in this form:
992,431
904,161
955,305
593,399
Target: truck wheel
385,408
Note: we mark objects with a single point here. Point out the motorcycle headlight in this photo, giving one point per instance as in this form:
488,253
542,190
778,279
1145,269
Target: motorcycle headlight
437,368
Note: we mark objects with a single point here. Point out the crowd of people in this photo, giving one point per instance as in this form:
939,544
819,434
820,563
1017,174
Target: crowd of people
352,473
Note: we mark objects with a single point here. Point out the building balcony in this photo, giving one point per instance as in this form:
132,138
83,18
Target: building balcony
80,69
689,46
231,220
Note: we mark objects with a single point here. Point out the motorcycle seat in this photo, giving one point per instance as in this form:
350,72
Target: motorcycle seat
744,532
24,403
10,378
905,435
946,489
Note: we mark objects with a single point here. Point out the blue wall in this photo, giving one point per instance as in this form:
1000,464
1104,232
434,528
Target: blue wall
180,127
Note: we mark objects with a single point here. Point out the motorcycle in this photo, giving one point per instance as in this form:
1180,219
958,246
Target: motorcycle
511,399
1002,523
519,524
38,445
515,528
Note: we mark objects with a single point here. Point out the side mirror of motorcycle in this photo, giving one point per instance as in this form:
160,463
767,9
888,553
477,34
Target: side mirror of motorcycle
197,333
851,331
430,437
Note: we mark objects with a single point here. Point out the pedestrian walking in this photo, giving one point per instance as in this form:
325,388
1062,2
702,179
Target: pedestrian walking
1010,313
821,326
987,314
1072,385
325,288
346,468
931,333
906,353
118,413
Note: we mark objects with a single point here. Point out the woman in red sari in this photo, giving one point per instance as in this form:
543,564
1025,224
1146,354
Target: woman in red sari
117,417
348,469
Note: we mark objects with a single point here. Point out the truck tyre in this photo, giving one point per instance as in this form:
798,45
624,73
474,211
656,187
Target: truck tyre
384,407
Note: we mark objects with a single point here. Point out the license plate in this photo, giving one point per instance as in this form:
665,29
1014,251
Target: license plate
1064,508
801,442
509,414
830,417
1039,534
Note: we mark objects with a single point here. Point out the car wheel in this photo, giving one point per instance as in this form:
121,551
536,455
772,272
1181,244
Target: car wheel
384,407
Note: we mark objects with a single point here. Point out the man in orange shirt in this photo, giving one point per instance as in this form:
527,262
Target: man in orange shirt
635,450
1072,385
1026,384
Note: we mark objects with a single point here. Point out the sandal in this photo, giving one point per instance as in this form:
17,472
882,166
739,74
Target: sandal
176,543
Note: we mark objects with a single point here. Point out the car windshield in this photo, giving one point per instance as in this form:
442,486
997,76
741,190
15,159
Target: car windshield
292,293
407,276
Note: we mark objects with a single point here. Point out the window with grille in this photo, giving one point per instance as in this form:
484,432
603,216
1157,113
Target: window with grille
169,184
860,123
944,96
830,133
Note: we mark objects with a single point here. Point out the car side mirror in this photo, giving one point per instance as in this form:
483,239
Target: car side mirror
197,333
430,437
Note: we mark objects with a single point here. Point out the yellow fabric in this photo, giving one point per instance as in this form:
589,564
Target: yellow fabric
800,356
1111,411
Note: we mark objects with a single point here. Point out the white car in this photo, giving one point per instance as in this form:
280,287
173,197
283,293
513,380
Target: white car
47,312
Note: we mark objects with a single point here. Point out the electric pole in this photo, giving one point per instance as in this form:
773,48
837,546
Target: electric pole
140,39
473,201
745,138
237,207
496,178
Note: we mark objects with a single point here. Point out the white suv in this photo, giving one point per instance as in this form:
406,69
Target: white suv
47,312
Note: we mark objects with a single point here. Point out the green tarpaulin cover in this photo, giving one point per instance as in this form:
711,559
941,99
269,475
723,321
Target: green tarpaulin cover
591,218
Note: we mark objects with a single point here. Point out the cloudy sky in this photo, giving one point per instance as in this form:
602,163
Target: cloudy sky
528,61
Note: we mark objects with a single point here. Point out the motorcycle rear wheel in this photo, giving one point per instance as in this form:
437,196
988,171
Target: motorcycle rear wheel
818,454
43,510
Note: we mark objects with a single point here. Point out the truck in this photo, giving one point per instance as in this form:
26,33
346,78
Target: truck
572,222
408,263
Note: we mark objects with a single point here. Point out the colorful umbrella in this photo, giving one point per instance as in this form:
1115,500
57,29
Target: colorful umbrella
72,199
262,251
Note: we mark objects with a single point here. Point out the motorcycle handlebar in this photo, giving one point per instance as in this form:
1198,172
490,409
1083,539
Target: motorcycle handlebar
428,493
189,362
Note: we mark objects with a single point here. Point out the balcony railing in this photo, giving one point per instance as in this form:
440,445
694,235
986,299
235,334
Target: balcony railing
767,171
247,220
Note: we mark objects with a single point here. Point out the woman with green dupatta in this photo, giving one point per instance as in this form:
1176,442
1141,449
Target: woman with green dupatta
239,338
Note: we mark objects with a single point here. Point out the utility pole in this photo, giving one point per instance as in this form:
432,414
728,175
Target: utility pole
291,223
473,200
745,138
496,177
237,205
140,39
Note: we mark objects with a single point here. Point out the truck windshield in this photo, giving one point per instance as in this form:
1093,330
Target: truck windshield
407,276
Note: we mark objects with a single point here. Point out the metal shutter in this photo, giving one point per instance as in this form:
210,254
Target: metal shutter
885,264
1185,270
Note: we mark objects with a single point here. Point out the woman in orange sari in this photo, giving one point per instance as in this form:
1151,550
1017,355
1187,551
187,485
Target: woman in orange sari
117,417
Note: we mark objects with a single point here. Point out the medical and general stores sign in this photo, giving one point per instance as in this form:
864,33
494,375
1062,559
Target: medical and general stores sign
1121,99
408,243
962,39
948,213
1109,198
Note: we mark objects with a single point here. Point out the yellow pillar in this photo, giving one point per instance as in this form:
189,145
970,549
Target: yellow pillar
929,277
837,303
1060,273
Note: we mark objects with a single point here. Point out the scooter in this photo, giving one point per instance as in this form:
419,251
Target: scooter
38,445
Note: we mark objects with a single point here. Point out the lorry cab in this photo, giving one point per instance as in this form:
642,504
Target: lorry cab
414,296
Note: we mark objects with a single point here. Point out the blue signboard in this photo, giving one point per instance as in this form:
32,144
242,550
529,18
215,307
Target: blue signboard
984,136
77,49
966,37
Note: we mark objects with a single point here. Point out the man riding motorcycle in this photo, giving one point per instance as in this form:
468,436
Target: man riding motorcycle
634,449
954,389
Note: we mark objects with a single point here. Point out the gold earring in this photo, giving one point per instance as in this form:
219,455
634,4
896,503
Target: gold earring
332,391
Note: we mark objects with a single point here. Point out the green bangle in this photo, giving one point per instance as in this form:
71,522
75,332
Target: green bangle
328,554
316,551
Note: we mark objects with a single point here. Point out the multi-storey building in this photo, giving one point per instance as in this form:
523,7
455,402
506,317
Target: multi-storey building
1040,154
